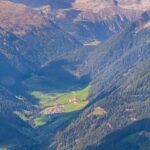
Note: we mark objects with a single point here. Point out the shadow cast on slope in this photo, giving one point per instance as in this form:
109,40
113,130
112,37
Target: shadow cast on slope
58,76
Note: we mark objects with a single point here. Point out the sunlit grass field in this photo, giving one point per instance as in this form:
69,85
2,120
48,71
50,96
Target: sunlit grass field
48,100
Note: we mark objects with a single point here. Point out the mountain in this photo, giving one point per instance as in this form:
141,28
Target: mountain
91,20
74,75
120,79
29,31
28,40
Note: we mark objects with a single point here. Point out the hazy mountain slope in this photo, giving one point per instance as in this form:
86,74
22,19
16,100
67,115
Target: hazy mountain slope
120,74
99,19
49,42
102,63
90,20
29,32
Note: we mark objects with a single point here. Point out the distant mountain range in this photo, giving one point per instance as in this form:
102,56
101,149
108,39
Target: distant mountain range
91,20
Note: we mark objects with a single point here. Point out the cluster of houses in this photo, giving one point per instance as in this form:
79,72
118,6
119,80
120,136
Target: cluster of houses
72,101
58,108
54,109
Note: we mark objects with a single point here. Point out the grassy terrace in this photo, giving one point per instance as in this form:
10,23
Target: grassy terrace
41,120
55,103
48,100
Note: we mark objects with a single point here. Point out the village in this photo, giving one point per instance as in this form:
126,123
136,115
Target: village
59,108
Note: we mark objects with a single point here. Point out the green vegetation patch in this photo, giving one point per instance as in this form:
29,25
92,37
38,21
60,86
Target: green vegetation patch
44,98
41,120
75,107
80,96
21,115
3,148
51,99
53,103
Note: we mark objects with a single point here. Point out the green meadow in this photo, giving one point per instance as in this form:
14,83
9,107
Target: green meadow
3,148
47,100
50,99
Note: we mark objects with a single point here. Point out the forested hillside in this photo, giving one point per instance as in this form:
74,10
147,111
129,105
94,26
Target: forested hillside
121,77
13,130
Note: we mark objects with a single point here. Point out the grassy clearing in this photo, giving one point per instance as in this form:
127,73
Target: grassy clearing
51,103
3,148
41,96
41,120
92,43
44,98
51,99
80,96
74,107
98,111
21,116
